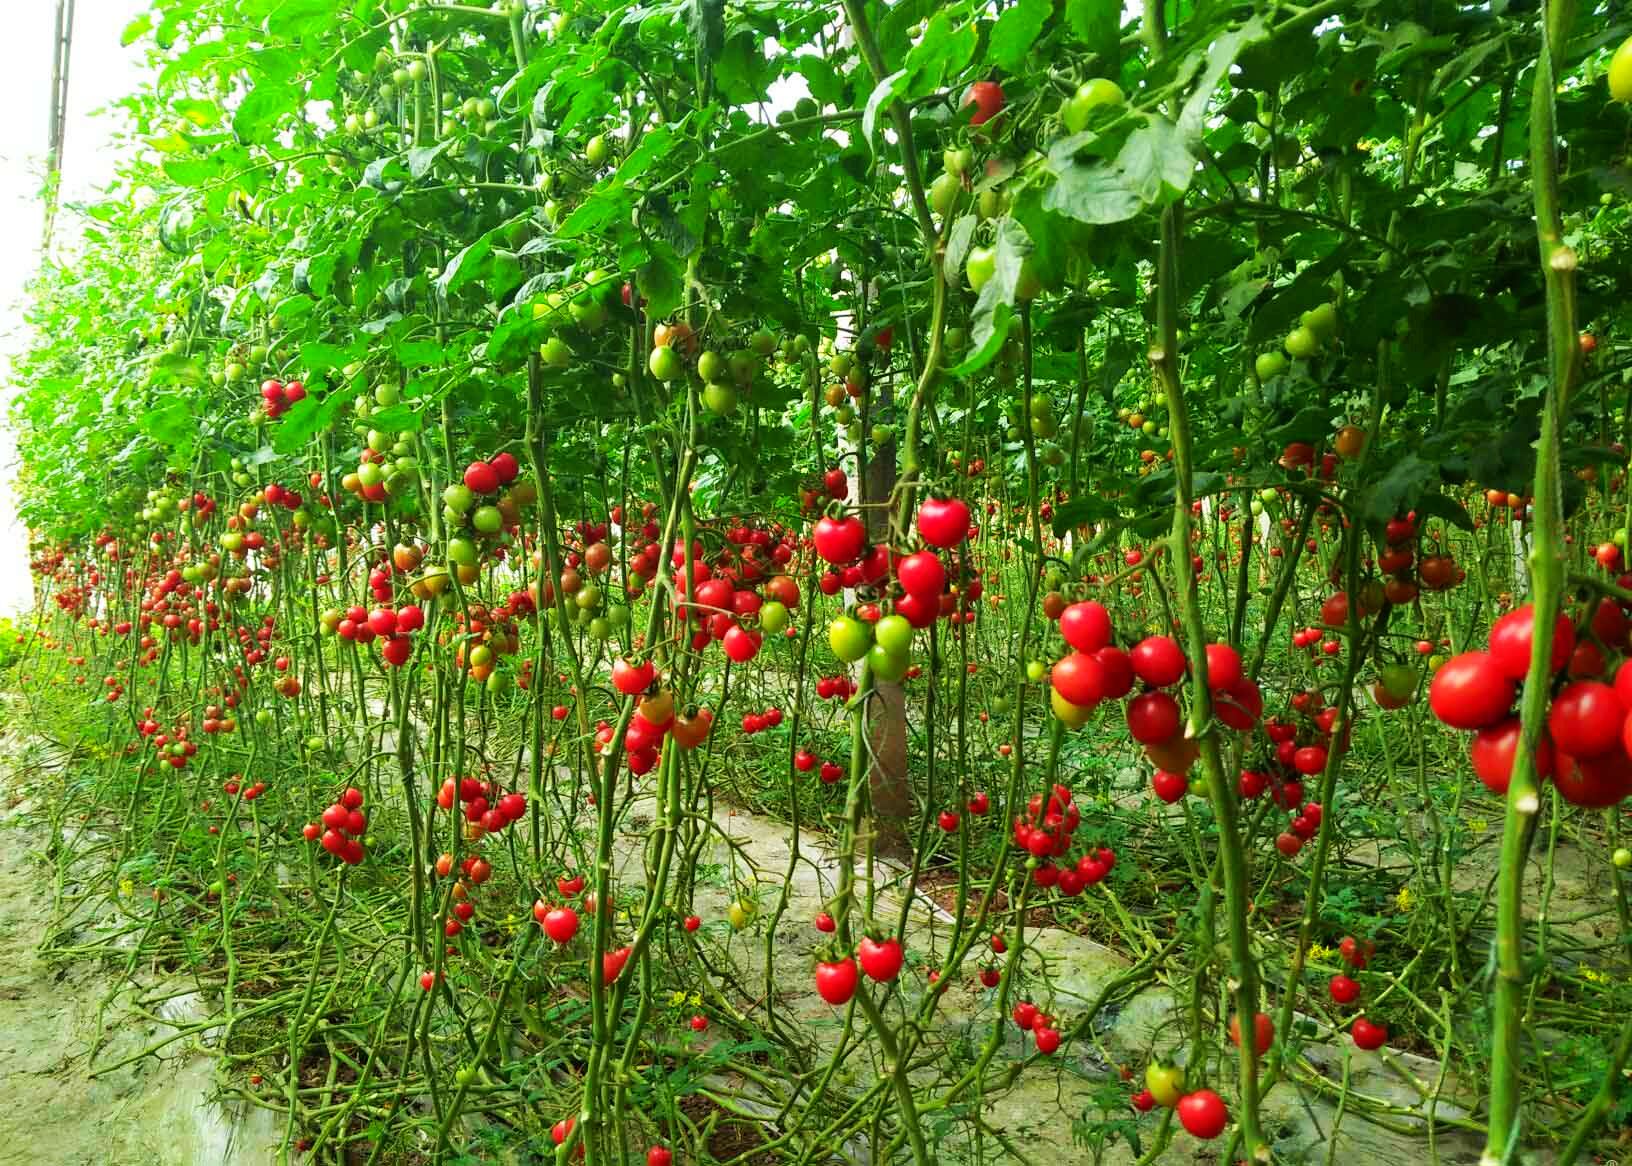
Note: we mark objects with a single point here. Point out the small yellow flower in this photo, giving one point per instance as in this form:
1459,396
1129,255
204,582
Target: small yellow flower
1405,900
1594,976
676,999
1319,953
1478,825
126,887
696,999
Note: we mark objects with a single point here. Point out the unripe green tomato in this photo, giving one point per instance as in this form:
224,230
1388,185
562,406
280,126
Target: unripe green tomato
461,552
881,434
1302,343
618,616
742,365
1035,671
1269,364
555,353
888,666
773,618
1090,95
894,634
944,191
1622,858
600,628
595,150
1321,320
416,70
957,160
1620,72
370,474
980,266
720,399
588,597
664,363
1268,494
379,442
711,366
853,432
487,520
458,497
371,119
849,638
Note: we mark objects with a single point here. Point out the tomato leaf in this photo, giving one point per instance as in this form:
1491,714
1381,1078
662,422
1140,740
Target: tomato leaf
1016,30
884,93
994,310
1155,163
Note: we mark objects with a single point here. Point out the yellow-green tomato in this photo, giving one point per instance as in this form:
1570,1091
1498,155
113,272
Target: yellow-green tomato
773,618
888,666
1090,95
1620,72
894,634
849,638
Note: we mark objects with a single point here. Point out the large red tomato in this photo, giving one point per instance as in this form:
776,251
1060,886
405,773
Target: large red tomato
1470,691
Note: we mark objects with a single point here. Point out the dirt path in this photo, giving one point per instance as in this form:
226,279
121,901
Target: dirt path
155,1112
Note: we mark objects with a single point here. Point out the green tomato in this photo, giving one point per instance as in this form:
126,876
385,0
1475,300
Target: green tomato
1321,320
721,400
263,717
849,638
957,160
487,520
664,363
461,552
1622,858
894,634
980,266
1269,364
595,151
1620,72
1165,1082
370,474
888,666
944,191
739,914
555,353
773,618
711,366
1090,95
1035,671
1399,680
1302,343
588,597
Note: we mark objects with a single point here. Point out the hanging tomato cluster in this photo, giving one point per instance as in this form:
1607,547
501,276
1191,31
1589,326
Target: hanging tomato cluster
343,825
1045,832
277,398
481,815
881,960
1586,748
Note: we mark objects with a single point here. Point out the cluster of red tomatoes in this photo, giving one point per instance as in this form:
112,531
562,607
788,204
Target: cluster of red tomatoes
477,870
1045,832
758,722
1587,747
493,475
835,687
342,829
830,771
1044,1034
879,959
392,626
173,748
479,812
277,397
235,783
